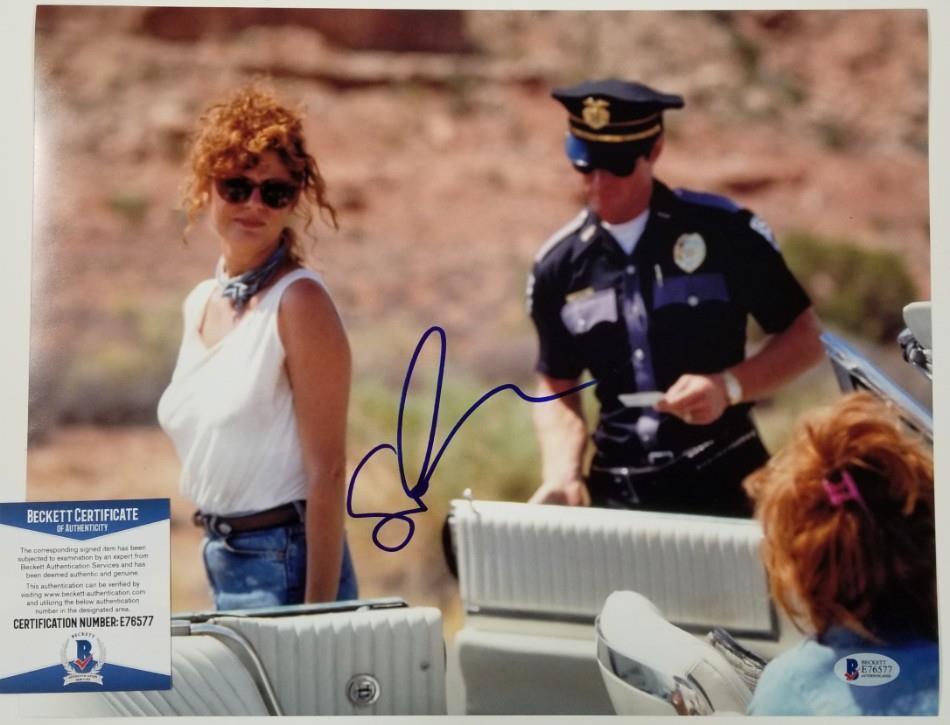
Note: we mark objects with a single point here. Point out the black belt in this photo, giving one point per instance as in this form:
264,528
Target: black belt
288,513
658,461
688,481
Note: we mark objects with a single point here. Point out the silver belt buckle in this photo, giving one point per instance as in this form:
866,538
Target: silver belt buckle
658,458
221,528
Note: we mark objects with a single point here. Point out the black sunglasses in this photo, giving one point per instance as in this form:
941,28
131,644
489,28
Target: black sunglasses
275,193
616,165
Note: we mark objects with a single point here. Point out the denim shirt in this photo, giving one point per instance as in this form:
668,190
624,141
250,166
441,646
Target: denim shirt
803,681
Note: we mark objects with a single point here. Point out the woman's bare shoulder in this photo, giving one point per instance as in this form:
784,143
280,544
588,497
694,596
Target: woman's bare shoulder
305,294
307,312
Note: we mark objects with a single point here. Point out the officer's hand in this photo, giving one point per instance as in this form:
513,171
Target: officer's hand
697,399
574,493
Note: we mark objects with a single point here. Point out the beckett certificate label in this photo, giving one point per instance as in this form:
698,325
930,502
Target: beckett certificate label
85,599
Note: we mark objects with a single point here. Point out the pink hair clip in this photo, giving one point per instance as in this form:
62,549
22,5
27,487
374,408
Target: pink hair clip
839,492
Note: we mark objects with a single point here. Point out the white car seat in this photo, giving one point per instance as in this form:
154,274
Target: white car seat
652,667
533,579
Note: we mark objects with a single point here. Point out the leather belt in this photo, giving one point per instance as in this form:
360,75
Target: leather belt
658,460
704,479
288,513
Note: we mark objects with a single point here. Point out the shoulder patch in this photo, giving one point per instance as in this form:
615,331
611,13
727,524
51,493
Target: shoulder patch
703,199
559,236
761,226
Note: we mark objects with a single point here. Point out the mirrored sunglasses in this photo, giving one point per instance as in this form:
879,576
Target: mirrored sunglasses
613,164
617,159
275,193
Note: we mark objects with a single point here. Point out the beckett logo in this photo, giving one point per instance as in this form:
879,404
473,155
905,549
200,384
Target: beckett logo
83,657
867,669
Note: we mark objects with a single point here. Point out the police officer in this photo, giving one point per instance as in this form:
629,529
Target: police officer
649,289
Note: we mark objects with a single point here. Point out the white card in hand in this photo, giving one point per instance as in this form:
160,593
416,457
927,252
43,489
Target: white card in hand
646,399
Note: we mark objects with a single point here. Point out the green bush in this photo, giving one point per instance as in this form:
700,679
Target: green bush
119,383
131,207
859,290
112,371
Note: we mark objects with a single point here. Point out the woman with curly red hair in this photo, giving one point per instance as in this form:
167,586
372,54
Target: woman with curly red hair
257,404
847,509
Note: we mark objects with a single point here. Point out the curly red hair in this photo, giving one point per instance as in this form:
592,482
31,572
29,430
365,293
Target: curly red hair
230,137
872,571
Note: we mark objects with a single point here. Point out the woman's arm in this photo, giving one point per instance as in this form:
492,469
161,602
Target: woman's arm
318,365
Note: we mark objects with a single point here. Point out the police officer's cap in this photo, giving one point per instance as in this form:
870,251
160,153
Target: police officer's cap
614,111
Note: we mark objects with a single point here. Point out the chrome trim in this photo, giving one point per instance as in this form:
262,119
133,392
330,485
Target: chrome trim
180,628
503,612
244,651
855,372
362,690
769,635
295,610
691,696
916,354
747,664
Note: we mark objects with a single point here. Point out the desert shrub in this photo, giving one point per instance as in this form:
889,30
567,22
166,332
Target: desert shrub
131,207
747,51
834,135
112,372
117,384
861,291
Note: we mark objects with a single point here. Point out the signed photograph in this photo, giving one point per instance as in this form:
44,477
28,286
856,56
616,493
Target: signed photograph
498,362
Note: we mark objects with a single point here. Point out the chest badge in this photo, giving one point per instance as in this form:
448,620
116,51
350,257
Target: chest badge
689,252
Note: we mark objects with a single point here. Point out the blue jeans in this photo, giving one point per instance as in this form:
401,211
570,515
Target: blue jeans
265,568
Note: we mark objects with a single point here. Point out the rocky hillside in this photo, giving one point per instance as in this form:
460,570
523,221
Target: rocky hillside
442,149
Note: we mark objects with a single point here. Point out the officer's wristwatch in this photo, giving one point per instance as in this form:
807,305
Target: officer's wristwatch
733,387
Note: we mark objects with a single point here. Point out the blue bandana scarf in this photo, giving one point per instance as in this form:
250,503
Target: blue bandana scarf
240,289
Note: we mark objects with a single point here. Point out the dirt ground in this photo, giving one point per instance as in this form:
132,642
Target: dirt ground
80,463
448,174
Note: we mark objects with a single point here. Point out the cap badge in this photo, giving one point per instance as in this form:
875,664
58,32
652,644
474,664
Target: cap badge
596,113
689,252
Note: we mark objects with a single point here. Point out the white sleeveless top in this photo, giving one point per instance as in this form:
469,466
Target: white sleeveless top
229,410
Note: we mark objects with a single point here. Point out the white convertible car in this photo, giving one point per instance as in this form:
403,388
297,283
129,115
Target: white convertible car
567,611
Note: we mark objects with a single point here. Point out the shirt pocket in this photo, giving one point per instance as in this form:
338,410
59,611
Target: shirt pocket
580,316
690,290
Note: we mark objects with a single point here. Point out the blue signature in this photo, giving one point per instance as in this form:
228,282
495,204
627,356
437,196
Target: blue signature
430,462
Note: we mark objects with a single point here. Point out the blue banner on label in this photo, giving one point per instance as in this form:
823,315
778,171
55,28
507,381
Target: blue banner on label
83,520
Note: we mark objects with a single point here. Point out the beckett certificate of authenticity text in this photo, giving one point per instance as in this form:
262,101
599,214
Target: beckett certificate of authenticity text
85,604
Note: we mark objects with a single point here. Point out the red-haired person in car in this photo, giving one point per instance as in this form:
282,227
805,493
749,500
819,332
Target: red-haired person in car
847,509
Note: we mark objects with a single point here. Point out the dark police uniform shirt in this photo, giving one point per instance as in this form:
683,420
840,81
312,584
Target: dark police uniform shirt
678,304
